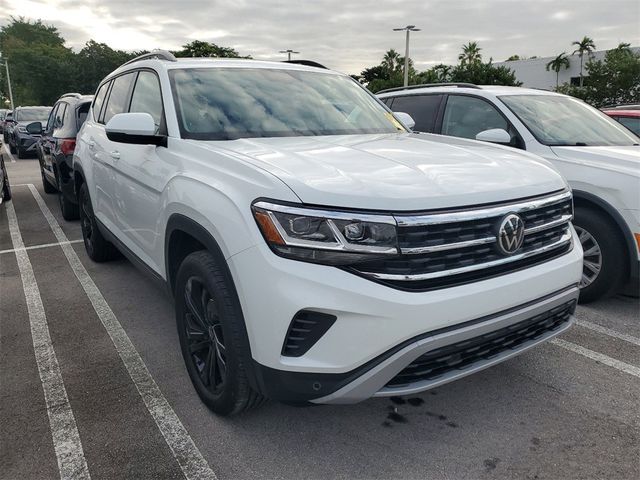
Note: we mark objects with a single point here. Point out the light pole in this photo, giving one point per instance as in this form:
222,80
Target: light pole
408,28
6,64
288,52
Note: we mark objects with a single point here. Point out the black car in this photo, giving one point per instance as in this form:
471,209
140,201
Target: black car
22,139
5,189
55,149
3,114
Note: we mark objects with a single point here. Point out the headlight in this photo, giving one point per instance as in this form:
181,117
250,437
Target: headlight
21,129
325,236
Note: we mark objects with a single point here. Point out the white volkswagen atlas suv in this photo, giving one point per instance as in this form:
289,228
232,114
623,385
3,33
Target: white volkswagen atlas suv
599,157
315,251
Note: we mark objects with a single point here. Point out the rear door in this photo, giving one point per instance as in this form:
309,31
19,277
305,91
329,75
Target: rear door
46,144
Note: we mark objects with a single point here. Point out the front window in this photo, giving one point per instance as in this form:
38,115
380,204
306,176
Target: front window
231,103
564,121
32,114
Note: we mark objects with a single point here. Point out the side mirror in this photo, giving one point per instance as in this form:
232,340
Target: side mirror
34,128
135,128
494,135
405,119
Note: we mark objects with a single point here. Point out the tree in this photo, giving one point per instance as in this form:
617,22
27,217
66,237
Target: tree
40,63
614,80
483,74
470,54
513,58
586,45
557,64
198,48
392,60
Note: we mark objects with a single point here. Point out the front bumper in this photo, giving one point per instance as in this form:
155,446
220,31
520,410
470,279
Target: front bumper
379,330
26,143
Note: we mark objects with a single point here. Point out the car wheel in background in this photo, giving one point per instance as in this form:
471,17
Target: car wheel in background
6,188
70,210
48,188
212,338
98,248
21,152
605,267
12,149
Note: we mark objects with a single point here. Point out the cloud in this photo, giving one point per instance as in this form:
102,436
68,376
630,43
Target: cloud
344,35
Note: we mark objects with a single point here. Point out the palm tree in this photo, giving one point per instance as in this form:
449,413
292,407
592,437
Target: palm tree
470,53
557,64
392,60
585,45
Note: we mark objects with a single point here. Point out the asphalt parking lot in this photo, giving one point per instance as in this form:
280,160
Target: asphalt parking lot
92,383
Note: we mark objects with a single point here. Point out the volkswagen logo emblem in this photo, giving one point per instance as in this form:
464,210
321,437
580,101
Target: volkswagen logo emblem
510,234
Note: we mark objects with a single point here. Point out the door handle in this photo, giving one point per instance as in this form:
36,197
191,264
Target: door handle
91,144
115,155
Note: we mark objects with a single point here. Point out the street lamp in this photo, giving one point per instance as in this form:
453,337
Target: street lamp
408,28
288,52
6,64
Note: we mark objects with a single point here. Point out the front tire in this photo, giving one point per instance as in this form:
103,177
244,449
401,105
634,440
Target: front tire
21,153
605,267
98,248
212,338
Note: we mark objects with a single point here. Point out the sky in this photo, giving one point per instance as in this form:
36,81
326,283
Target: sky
345,35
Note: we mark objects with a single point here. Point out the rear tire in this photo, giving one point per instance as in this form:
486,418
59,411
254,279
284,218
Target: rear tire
48,188
605,261
6,188
212,336
98,248
69,209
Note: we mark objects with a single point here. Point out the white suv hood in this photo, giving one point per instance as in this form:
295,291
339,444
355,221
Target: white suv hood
396,172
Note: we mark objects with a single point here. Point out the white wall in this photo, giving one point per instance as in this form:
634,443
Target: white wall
533,73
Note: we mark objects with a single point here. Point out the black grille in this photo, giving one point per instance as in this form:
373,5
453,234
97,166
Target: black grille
411,237
464,354
305,330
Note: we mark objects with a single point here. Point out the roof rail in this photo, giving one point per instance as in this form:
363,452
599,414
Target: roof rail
430,85
73,94
159,54
308,63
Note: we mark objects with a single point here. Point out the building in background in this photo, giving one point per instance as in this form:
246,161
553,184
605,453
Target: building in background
533,72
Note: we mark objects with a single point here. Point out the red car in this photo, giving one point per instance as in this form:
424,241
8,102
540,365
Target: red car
628,118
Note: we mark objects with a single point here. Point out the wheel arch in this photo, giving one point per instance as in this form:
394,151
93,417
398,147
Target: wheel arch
78,179
589,200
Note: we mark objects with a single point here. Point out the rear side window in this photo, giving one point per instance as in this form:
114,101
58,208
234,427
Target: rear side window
52,117
146,97
422,108
60,116
467,116
632,123
99,100
117,102
81,114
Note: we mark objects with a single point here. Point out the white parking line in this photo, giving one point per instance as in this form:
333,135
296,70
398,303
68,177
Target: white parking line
44,245
607,331
6,149
598,357
66,439
191,461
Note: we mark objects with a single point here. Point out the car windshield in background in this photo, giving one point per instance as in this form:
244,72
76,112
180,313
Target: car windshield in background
32,114
563,121
231,103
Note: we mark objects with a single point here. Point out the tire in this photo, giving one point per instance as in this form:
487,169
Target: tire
217,367
46,185
603,247
69,210
6,188
98,248
12,149
21,153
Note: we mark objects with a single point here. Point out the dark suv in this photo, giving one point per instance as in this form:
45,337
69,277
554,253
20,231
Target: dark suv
22,137
3,114
5,123
55,149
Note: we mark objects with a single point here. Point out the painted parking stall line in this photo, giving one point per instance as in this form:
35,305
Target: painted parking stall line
37,247
598,357
64,431
6,149
186,453
607,331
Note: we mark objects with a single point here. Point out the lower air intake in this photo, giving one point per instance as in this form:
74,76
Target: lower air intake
307,327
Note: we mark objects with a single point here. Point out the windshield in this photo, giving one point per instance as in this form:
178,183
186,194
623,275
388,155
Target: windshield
230,103
33,114
565,121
